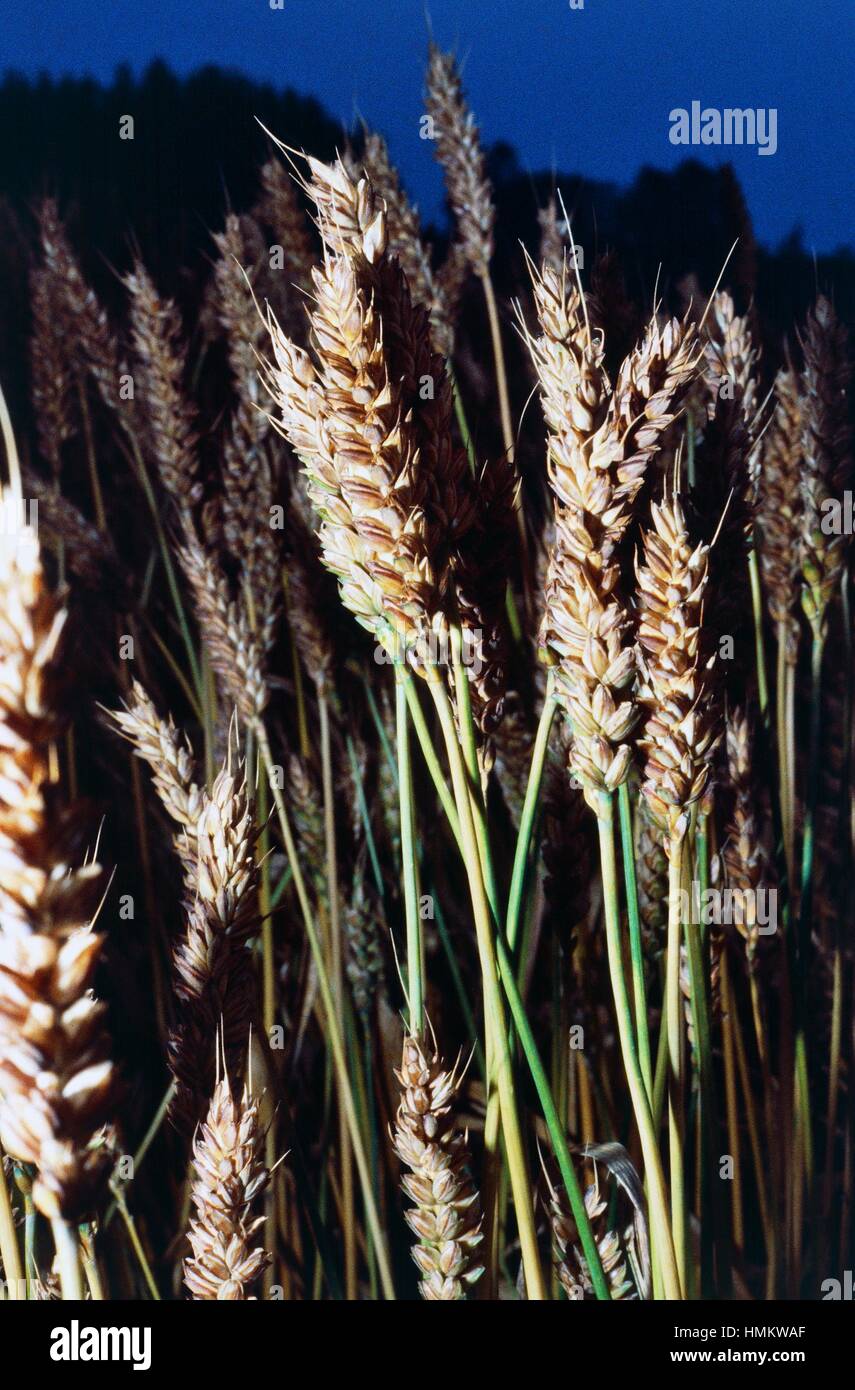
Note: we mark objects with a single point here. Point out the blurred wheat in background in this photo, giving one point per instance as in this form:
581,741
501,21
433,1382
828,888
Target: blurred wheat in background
426,803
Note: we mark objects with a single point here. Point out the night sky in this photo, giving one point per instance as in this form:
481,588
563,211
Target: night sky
587,90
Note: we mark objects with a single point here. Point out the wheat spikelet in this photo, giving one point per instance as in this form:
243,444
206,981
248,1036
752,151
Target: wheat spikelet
779,506
248,488
402,220
57,1082
308,819
570,1264
600,442
87,552
481,569
173,767
599,445
445,1216
365,970
160,363
212,966
743,852
513,743
438,294
826,446
233,645
346,420
732,359
304,597
85,319
458,150
51,375
228,1177
680,731
282,210
449,284
651,880
551,251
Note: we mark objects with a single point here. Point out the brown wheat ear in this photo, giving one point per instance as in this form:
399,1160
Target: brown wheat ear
780,506
57,1082
827,449
160,363
681,729
228,1176
446,1216
458,150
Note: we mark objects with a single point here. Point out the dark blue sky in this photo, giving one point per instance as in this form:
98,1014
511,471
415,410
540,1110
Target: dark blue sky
587,90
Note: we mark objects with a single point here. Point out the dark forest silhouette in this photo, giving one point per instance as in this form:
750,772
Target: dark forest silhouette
197,150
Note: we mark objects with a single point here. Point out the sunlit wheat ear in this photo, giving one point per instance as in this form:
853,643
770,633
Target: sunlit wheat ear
827,453
600,443
681,728
173,767
228,1175
458,150
57,1082
570,1263
780,506
445,1216
552,247
344,419
584,631
212,966
732,358
402,219
160,366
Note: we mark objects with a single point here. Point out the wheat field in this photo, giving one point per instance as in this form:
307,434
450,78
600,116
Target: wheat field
425,870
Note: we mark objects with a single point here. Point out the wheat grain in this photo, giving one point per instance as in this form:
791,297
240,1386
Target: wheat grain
57,1082
445,1216
228,1177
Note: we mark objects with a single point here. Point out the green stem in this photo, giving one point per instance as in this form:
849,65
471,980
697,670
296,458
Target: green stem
415,983
501,1073
811,794
674,1014
333,1030
462,422
529,813
709,1119
142,1260
638,1094
638,988
541,1083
